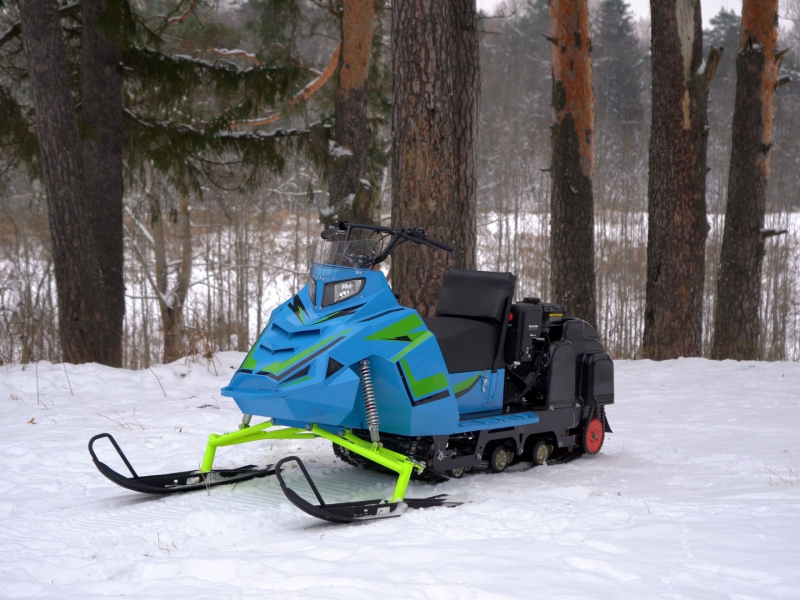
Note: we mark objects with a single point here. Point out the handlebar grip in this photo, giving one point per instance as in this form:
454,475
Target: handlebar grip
438,244
329,233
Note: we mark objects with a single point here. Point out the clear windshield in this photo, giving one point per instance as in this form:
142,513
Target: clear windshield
356,254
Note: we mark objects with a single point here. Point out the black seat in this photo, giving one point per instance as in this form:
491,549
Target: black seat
466,345
470,319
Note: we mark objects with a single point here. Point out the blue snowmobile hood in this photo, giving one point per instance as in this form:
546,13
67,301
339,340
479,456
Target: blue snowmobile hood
303,368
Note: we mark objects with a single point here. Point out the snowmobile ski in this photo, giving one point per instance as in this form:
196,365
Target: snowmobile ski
348,512
171,483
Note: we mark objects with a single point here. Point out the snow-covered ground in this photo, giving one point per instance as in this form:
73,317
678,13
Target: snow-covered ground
696,495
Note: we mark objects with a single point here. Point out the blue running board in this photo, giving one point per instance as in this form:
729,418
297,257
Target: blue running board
497,422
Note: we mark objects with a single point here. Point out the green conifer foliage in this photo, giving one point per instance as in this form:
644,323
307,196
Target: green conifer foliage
724,33
185,94
617,64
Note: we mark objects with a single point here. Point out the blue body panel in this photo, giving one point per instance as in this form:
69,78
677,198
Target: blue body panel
303,368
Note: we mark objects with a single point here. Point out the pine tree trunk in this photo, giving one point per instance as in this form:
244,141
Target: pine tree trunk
466,107
572,209
423,155
79,280
677,226
351,194
736,322
101,100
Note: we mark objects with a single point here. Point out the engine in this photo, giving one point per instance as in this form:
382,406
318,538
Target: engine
554,361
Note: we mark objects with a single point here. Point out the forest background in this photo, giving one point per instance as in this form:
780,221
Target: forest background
239,241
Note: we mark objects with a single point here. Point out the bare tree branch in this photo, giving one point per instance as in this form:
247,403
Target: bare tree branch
303,95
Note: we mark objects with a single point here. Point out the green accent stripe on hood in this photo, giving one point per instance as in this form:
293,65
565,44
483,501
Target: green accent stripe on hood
399,331
425,386
281,366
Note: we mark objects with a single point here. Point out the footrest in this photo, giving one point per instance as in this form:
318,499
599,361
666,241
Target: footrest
347,512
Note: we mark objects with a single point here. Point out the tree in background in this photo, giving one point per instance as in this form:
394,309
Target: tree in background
425,176
355,163
351,194
79,280
736,325
677,226
616,64
101,116
724,33
175,119
572,206
466,108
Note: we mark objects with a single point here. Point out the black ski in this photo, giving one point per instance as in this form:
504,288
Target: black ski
347,512
171,483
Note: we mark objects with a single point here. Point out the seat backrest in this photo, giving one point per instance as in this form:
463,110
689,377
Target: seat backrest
481,295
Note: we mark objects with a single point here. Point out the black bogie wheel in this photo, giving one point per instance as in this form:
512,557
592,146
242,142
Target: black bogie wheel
501,457
541,452
457,473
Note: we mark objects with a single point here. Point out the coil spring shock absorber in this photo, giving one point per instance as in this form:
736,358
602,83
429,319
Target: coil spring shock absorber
370,408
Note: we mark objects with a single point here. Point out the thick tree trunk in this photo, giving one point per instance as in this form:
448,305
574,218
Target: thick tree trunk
423,155
736,322
79,280
466,106
677,227
351,196
572,209
101,100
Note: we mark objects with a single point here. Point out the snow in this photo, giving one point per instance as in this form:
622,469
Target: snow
336,151
695,494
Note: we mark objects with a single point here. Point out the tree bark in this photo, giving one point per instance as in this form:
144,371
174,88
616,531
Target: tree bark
736,322
351,196
677,226
466,107
572,209
423,154
101,145
79,281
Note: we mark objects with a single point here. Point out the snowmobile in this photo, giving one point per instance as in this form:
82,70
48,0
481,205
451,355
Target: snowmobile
485,382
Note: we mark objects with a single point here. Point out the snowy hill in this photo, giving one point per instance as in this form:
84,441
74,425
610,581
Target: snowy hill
696,494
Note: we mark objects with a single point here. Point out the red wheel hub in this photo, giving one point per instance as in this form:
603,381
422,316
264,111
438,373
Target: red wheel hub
593,436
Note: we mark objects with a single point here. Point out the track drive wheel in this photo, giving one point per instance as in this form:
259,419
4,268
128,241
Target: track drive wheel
593,436
541,451
500,459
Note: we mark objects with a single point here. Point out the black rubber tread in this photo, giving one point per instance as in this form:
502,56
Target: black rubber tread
358,461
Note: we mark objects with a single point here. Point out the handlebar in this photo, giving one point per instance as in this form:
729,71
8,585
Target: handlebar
416,235
438,244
